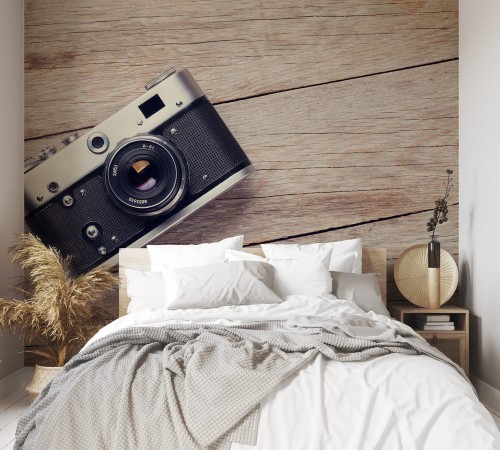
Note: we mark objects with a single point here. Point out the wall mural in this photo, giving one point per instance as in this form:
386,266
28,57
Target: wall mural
348,110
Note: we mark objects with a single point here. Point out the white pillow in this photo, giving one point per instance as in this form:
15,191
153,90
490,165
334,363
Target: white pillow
144,284
362,289
220,284
191,255
308,275
145,289
343,263
137,304
295,251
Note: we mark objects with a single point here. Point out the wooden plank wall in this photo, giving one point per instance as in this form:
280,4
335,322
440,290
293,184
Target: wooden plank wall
348,109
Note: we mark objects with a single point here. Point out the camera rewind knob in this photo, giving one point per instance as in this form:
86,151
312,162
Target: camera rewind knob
70,138
164,75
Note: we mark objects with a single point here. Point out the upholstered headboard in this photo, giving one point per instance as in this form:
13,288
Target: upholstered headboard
374,261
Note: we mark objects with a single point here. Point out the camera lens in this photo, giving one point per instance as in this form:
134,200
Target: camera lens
97,142
143,175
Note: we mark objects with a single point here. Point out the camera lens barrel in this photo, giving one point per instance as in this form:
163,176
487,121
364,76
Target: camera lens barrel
145,175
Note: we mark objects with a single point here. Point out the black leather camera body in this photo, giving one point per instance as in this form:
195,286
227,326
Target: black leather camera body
135,175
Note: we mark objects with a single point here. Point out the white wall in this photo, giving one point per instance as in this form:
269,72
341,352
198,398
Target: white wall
480,181
11,161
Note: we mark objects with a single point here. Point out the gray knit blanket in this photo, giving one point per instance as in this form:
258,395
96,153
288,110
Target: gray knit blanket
188,386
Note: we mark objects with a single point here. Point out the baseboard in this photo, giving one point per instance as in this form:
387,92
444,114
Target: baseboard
488,395
11,382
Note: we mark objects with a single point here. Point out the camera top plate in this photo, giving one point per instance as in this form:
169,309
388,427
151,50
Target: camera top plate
177,91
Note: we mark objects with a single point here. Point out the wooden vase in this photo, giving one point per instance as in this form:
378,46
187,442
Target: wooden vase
434,273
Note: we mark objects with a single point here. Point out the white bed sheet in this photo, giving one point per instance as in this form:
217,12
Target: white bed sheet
387,403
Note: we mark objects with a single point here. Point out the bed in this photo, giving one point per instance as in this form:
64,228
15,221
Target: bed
390,392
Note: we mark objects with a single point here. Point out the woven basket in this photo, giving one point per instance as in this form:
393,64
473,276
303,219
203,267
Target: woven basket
42,376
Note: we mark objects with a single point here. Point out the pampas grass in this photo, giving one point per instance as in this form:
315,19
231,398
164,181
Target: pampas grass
64,310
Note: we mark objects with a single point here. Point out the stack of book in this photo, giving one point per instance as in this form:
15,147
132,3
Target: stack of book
433,322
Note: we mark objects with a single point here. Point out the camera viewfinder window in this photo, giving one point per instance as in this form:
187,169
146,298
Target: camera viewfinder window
152,106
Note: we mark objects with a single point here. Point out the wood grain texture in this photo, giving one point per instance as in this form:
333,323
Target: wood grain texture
341,168
335,159
86,58
348,109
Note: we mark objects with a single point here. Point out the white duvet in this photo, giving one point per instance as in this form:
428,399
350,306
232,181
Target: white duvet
388,403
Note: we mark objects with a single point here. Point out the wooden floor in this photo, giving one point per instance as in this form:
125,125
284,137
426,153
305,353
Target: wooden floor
14,404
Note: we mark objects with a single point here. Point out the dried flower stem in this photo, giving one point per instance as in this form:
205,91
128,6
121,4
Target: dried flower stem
441,208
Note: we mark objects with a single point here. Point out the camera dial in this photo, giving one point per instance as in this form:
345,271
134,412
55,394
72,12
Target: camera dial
145,175
159,78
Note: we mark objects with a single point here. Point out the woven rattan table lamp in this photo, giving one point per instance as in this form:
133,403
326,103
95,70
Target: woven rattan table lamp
412,277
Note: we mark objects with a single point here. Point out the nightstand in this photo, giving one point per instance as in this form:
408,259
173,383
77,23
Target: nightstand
454,344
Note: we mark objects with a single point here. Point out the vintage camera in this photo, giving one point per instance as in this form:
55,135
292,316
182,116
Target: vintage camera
135,175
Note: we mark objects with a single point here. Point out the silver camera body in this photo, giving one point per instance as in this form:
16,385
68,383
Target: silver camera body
135,175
